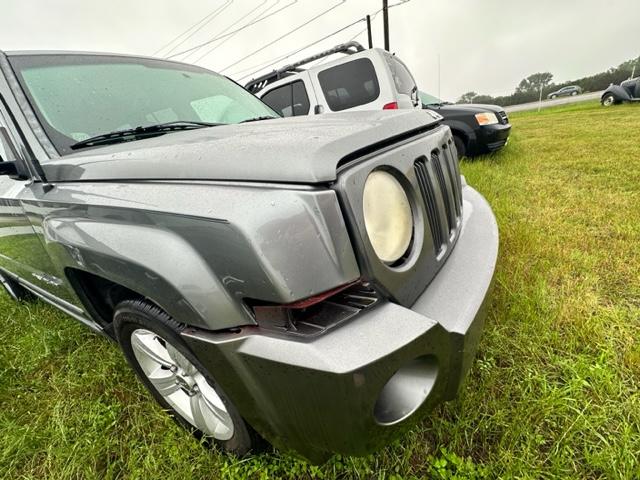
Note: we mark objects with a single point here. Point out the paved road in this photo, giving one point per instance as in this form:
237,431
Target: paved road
553,103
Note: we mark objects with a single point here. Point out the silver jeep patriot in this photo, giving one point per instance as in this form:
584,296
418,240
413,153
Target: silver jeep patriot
317,281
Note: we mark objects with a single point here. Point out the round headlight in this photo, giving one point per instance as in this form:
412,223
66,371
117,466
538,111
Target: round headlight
387,216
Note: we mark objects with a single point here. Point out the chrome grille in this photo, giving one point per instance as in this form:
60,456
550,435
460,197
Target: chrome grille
502,116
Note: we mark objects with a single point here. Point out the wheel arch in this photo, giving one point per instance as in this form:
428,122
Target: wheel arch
126,263
619,94
466,134
99,295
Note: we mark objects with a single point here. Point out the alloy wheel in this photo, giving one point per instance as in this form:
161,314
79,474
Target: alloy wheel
181,384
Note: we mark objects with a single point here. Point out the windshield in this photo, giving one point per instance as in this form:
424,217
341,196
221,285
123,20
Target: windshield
80,96
427,99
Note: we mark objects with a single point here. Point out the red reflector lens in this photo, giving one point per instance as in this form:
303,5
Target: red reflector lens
391,106
307,302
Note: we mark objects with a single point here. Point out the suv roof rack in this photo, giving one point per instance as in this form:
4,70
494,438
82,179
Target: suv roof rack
261,82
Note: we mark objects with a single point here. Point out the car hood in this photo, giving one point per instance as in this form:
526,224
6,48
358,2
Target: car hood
466,108
304,149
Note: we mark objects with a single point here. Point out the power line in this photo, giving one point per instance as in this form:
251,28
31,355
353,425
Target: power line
203,19
273,61
218,12
324,12
261,66
227,29
266,63
291,54
219,37
322,60
215,47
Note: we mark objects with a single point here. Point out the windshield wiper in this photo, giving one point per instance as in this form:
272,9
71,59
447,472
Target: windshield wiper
141,132
257,119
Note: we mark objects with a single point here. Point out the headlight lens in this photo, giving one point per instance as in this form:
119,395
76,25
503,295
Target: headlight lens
387,216
486,118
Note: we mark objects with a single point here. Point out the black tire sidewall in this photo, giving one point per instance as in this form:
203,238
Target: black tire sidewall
461,148
132,315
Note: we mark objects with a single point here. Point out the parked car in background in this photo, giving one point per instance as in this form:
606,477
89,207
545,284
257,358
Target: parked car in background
569,91
321,280
370,79
627,91
476,128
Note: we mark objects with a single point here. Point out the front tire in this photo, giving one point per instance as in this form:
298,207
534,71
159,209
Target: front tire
151,342
608,100
553,97
461,146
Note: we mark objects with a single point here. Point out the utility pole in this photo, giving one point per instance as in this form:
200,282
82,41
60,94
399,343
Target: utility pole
369,31
385,16
540,99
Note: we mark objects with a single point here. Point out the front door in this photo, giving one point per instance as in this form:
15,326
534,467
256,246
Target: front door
22,253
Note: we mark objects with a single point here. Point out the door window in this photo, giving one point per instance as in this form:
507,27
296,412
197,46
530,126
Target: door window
289,100
402,78
350,84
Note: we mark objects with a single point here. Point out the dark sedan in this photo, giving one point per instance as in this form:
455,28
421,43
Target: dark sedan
477,129
568,91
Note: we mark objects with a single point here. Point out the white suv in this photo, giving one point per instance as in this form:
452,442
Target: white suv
361,80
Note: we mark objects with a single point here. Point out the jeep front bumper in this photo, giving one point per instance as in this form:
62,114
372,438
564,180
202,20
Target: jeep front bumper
350,390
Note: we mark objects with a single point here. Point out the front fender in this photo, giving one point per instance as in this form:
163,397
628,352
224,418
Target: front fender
198,250
619,93
153,262
461,126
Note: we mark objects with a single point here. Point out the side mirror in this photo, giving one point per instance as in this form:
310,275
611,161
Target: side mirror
8,168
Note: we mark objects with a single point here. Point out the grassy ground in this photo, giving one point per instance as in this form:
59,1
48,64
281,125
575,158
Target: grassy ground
554,391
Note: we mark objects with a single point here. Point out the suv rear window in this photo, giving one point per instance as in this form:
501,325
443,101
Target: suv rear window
350,84
402,79
288,100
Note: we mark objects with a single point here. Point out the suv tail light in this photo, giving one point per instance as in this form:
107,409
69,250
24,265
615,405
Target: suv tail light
391,106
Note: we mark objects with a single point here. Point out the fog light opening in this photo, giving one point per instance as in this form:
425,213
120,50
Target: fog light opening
406,391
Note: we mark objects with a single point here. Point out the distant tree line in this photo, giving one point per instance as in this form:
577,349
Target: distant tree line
529,88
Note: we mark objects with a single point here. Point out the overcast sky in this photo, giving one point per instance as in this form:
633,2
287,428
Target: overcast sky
486,46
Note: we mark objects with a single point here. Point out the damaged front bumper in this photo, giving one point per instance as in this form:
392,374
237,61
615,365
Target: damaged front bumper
352,389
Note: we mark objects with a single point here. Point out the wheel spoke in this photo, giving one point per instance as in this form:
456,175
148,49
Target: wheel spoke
197,413
212,402
180,360
145,344
166,383
183,387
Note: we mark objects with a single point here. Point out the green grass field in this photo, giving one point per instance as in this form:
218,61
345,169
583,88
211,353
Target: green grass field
554,392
